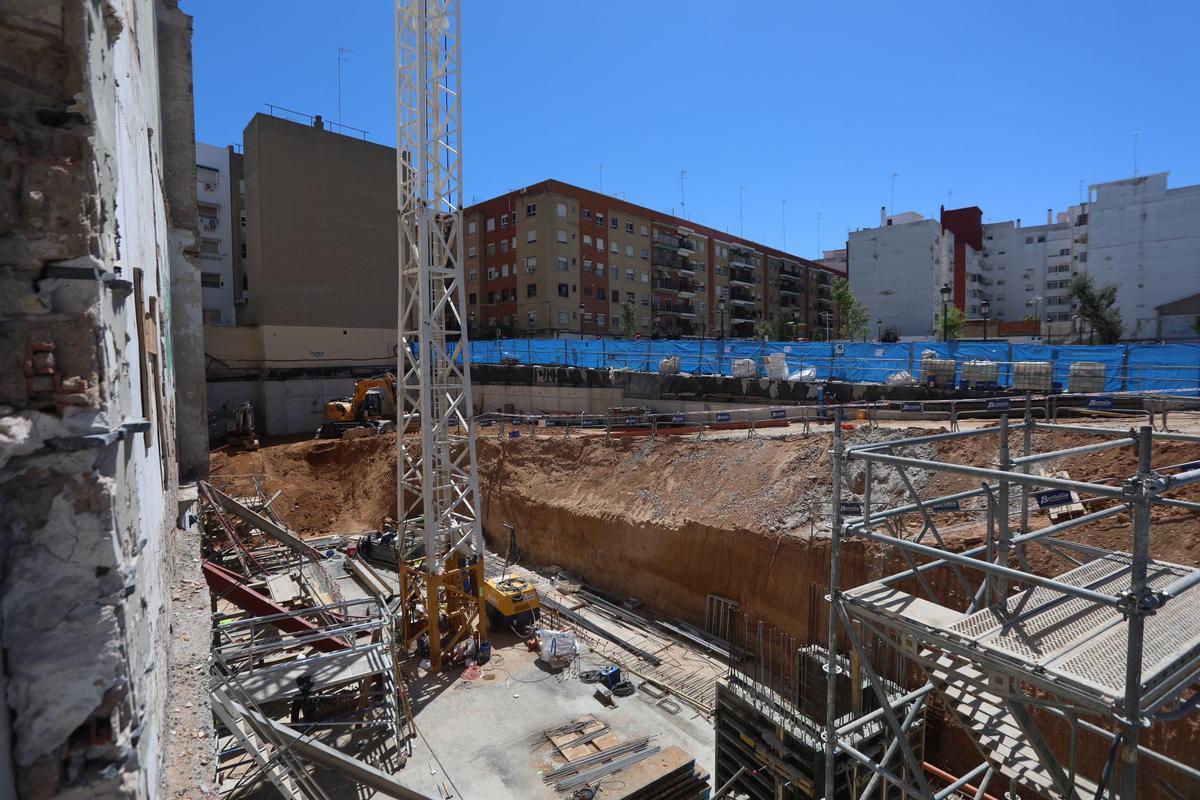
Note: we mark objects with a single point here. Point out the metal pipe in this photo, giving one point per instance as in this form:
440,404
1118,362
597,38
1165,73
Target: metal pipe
911,507
1003,529
1183,478
858,722
834,600
1139,590
934,437
957,783
1166,437
1173,503
1037,458
998,569
981,472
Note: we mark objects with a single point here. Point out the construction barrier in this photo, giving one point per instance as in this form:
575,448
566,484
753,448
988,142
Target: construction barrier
1127,367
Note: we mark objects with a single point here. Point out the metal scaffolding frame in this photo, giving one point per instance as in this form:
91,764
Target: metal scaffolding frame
1112,641
438,499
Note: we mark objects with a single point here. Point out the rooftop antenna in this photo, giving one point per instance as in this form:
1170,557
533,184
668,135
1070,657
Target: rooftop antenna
601,179
783,218
892,206
1137,135
741,221
1081,191
950,199
818,234
341,56
682,201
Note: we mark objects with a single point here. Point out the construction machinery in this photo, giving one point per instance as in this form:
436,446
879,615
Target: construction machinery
512,602
438,497
373,405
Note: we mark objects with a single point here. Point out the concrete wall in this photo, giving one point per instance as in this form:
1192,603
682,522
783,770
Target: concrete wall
896,271
88,391
321,227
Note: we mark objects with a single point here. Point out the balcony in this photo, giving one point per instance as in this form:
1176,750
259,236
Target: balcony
743,297
686,266
688,288
741,277
744,315
664,258
686,246
665,285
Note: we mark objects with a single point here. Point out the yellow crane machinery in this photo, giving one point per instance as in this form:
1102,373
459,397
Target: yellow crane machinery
373,405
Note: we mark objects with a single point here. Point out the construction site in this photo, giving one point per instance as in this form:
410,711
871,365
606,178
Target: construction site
517,581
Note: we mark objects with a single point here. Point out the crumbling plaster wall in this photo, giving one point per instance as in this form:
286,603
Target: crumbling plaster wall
88,475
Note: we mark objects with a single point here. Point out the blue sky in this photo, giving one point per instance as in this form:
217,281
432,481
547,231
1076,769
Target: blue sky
1007,105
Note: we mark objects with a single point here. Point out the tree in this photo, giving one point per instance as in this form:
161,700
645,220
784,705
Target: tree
890,334
954,323
852,317
1098,306
783,329
628,321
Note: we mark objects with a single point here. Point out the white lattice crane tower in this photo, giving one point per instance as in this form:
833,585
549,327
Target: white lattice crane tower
438,497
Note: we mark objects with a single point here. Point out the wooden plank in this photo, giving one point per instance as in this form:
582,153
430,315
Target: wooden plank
282,588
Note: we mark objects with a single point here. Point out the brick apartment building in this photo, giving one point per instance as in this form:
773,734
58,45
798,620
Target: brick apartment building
553,259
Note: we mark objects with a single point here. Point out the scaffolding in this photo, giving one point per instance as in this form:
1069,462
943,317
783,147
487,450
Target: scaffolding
1053,679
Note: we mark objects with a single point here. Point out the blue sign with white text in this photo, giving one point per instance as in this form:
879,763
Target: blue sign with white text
1052,498
999,404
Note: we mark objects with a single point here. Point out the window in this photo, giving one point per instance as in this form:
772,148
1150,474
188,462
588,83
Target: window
1028,240
613,247
491,224
531,209
645,231
628,274
564,290
514,243
645,299
600,293
562,236
504,246
562,318
561,209
587,291
600,320
530,264
599,218
615,224
473,276
616,297
599,268
531,319
212,315
504,220
630,297
472,227
587,265
645,277
531,235
989,236
531,290
629,250
472,298
587,214
472,251
491,248
1083,256
504,271
1066,251
629,227
1041,238
212,280
645,254
210,248
587,240
600,244
562,263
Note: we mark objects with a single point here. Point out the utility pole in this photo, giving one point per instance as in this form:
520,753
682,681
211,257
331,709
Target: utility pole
1137,135
341,51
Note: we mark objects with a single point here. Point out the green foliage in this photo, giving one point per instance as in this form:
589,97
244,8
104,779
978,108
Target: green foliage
1098,307
852,317
628,322
955,321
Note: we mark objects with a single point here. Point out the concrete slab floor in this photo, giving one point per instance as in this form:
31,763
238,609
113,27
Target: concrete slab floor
480,739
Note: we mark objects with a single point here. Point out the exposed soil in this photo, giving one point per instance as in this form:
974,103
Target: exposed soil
672,520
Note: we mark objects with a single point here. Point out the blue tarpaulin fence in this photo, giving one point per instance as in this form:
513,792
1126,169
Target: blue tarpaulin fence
1128,367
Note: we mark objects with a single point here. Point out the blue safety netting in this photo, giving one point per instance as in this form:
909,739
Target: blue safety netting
1131,367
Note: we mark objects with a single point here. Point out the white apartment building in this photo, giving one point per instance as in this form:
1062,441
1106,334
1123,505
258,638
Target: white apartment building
1029,269
1145,238
215,207
898,269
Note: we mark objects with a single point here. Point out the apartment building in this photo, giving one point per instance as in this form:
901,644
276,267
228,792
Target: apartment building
900,267
1135,233
220,218
553,259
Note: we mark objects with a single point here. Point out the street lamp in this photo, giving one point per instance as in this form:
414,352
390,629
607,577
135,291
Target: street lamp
945,322
879,330
985,306
581,310
1035,302
721,310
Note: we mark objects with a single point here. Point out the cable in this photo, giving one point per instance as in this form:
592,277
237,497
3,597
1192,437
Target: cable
435,757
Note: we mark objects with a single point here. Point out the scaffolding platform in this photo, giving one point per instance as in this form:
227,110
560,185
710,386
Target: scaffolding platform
1050,638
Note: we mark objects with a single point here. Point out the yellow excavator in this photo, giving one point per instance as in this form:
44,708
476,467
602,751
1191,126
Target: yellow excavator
373,405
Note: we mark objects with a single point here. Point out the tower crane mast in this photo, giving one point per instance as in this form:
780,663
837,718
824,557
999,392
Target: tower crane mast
437,486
